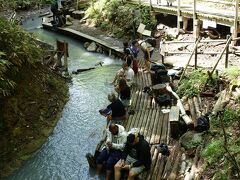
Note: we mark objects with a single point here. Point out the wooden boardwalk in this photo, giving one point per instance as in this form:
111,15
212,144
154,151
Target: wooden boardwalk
154,125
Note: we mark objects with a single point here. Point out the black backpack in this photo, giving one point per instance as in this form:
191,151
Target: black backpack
156,67
163,100
202,124
163,148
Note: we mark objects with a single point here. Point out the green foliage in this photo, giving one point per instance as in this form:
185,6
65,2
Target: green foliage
117,17
229,118
23,4
147,18
17,45
214,152
232,72
17,48
191,85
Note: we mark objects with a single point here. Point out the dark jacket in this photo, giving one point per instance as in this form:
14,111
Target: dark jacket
142,152
118,109
125,94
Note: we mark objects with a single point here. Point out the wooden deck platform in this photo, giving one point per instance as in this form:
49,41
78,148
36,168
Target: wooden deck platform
155,126
151,121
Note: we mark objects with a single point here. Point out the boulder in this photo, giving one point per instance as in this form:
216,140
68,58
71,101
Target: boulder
92,47
191,139
86,44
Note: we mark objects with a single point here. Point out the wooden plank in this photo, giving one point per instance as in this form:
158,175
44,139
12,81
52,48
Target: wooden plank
155,127
192,110
164,129
129,121
139,101
147,125
156,167
154,160
161,167
175,167
159,129
137,94
170,159
145,119
137,119
150,127
168,130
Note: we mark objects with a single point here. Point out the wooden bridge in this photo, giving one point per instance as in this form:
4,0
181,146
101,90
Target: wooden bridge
199,11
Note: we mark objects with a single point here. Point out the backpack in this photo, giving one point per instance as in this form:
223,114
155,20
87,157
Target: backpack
163,148
202,124
163,100
160,77
156,67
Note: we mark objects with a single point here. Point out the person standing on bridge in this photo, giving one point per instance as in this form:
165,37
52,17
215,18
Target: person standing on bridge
147,47
112,152
134,52
136,156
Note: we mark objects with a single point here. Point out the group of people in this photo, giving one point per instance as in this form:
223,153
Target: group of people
131,53
124,151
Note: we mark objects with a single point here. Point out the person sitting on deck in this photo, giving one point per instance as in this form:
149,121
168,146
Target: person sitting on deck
118,112
112,152
136,156
124,92
125,72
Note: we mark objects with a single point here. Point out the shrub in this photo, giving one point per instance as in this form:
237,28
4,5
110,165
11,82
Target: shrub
17,49
214,152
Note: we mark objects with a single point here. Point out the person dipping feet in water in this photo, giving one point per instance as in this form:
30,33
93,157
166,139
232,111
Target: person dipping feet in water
125,72
115,112
124,92
112,152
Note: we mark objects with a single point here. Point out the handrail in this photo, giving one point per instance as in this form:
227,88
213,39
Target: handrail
220,2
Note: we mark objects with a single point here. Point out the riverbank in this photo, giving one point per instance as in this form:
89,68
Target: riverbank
30,115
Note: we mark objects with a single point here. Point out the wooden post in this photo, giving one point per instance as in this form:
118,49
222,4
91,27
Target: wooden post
185,23
77,5
110,52
150,5
65,57
196,44
227,52
235,26
178,17
220,57
196,24
195,57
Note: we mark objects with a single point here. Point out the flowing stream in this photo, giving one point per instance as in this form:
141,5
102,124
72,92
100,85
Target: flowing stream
80,127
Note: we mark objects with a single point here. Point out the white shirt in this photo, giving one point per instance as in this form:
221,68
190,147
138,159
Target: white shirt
129,74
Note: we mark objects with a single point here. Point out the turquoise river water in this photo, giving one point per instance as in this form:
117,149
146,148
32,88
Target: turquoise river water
79,129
